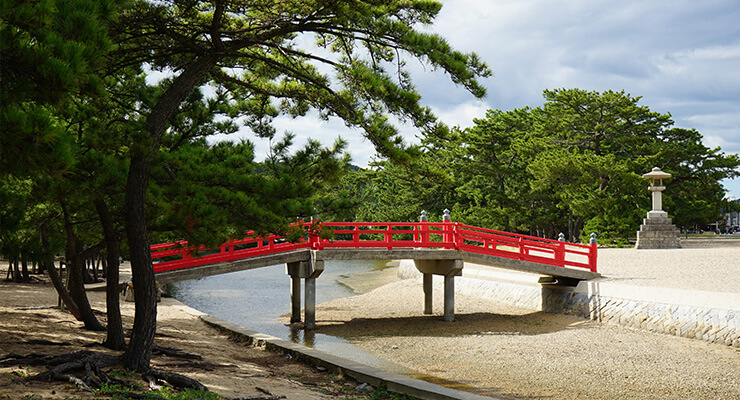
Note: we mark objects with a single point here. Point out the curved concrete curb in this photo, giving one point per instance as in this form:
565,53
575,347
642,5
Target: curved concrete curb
394,382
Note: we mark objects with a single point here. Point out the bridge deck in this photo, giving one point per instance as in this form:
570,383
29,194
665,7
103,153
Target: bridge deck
253,262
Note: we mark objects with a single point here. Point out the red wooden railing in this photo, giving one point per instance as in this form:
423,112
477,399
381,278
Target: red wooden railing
388,235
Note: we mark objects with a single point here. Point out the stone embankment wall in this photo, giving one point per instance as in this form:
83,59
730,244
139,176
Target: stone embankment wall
695,315
713,325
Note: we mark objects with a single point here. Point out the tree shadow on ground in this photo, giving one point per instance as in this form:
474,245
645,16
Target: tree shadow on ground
479,323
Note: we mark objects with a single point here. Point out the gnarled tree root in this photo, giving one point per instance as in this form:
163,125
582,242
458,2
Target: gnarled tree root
90,365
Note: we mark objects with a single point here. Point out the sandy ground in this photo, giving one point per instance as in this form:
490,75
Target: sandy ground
497,349
714,269
230,369
491,348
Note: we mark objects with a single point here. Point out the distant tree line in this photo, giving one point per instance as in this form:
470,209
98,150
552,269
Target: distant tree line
573,165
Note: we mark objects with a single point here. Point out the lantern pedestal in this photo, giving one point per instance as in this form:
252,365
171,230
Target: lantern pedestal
657,230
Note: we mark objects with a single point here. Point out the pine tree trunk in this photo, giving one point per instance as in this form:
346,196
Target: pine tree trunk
16,271
114,339
76,271
139,351
77,291
56,280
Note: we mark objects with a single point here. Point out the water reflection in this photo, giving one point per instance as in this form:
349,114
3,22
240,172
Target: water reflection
302,336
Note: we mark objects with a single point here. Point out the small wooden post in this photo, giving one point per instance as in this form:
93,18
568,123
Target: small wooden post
312,238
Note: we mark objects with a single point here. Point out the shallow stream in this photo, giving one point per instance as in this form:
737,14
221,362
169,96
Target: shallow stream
256,299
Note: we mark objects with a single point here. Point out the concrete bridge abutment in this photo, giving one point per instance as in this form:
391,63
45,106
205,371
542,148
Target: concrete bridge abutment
449,269
307,270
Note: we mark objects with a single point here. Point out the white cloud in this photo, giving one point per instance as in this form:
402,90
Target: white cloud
681,56
462,115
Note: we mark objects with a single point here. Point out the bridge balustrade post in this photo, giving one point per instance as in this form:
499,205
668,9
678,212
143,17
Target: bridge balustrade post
422,237
520,243
560,253
313,238
299,222
592,252
388,237
446,219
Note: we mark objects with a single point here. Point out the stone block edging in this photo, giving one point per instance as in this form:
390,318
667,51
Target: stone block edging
396,383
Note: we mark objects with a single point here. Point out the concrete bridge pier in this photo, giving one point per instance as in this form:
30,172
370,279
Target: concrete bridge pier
449,269
308,271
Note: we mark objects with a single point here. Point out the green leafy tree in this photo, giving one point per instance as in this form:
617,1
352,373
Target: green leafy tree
694,194
207,194
574,165
495,183
15,235
49,50
592,149
51,53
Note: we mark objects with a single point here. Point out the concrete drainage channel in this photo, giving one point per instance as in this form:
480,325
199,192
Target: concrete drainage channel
362,373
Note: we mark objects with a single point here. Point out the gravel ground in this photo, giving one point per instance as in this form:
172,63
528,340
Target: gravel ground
502,350
496,349
715,269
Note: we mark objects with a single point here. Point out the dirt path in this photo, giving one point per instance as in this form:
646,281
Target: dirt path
228,368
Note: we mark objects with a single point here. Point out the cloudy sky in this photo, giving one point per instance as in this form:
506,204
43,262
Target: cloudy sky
682,57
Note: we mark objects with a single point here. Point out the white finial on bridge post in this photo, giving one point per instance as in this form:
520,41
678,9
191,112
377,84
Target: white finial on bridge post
446,216
315,216
592,240
561,237
423,216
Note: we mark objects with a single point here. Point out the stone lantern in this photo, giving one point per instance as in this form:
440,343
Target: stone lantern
657,230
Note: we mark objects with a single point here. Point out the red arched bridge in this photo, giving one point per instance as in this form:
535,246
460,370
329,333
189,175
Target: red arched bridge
436,248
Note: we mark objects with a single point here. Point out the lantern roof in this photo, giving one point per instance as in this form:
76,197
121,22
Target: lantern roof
656,173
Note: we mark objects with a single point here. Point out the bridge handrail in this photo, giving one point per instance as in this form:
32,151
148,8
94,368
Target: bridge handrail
525,248
228,251
389,235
